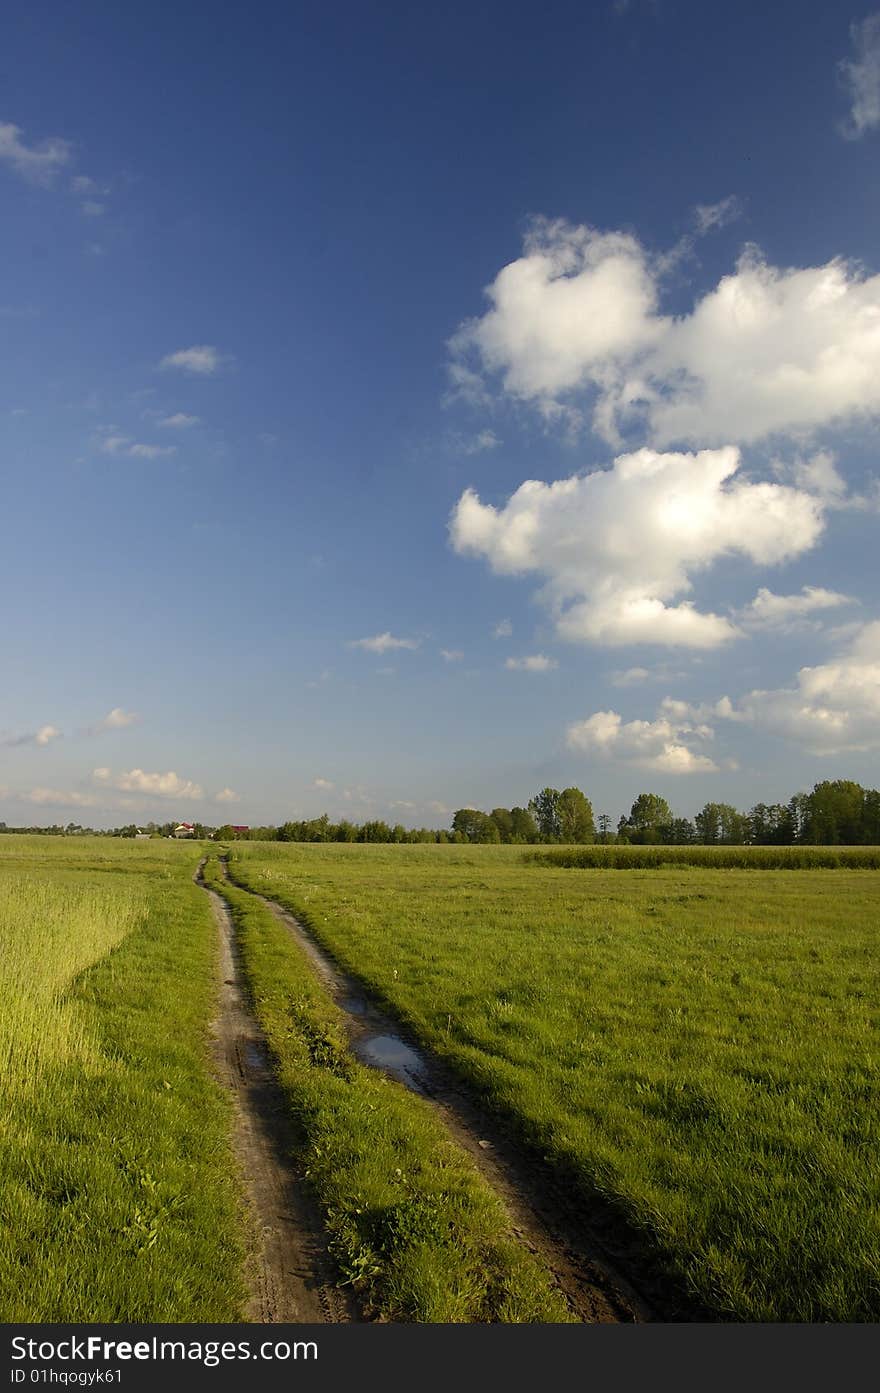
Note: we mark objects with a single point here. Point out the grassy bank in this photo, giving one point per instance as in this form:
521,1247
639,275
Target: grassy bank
118,1199
412,1224
693,1051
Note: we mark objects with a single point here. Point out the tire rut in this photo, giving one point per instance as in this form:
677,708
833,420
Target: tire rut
291,1274
542,1217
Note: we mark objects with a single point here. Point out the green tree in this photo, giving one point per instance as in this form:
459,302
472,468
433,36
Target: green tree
575,816
649,812
834,813
523,827
503,819
545,809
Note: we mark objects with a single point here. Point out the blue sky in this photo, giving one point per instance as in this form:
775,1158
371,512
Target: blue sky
293,302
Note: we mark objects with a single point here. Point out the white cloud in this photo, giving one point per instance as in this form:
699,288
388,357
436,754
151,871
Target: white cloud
768,350
535,662
630,677
503,629
832,708
325,784
615,546
203,360
477,444
168,785
663,746
383,643
61,798
151,451
37,163
451,655
862,77
788,612
179,421
124,445
42,737
226,795
117,719
92,209
709,217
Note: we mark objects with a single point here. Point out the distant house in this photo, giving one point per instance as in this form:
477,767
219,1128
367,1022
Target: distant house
240,831
185,829
140,836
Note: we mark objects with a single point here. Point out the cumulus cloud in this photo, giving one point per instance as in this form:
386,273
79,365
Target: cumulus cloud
768,350
37,163
663,746
861,76
615,546
117,719
42,737
831,708
383,643
203,359
179,421
226,795
168,785
535,662
786,613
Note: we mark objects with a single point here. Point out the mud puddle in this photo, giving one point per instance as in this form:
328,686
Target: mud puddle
291,1275
542,1215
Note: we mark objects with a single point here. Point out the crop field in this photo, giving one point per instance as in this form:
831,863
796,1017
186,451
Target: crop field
692,1049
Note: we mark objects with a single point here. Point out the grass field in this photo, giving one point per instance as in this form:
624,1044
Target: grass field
118,1196
694,1049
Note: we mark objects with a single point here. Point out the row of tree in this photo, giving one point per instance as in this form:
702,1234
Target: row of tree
837,812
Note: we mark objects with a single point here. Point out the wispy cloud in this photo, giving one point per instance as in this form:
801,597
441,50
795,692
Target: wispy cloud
503,629
117,719
124,445
325,784
203,360
41,738
60,798
535,662
37,163
861,76
179,421
383,643
451,655
711,216
227,795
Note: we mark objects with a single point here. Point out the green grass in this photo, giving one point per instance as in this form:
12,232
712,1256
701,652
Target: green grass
412,1224
118,1194
695,1052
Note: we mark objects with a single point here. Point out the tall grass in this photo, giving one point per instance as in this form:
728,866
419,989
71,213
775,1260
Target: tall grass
743,858
118,1191
49,934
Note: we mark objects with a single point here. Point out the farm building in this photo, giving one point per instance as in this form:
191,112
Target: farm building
185,829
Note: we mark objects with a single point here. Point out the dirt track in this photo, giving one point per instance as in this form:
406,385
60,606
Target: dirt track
541,1214
291,1274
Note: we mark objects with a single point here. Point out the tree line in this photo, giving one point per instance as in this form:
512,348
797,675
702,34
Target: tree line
837,812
